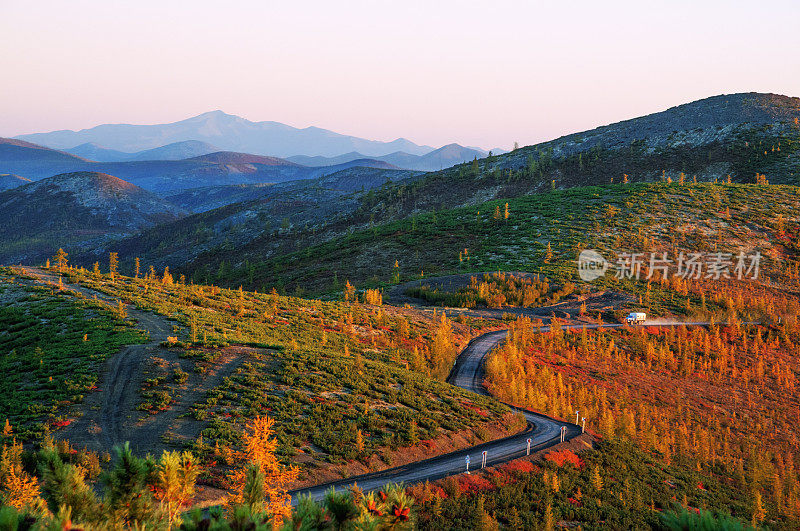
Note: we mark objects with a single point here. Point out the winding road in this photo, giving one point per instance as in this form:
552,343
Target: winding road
467,373
111,413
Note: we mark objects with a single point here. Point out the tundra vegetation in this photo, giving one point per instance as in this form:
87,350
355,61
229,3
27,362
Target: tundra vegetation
693,426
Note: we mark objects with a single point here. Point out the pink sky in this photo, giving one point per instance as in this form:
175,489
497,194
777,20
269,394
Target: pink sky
478,73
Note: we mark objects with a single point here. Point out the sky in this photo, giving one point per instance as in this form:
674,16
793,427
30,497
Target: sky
484,74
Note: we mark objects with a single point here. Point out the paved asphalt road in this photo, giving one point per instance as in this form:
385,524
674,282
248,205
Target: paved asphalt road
467,373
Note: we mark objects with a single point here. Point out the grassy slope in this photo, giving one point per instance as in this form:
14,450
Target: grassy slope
54,345
612,218
740,154
323,370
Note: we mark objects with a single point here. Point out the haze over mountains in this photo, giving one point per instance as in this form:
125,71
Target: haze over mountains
35,162
438,159
129,152
174,151
237,202
229,133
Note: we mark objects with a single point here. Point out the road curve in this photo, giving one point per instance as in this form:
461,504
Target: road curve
467,373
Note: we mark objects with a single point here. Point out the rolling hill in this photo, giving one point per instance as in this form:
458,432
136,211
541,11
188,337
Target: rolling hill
636,217
232,217
221,168
738,137
437,159
227,132
74,210
174,151
97,153
231,157
9,181
345,180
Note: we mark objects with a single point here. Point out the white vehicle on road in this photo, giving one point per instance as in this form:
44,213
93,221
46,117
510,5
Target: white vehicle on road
636,318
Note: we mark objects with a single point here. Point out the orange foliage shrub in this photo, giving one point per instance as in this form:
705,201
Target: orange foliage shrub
474,483
562,457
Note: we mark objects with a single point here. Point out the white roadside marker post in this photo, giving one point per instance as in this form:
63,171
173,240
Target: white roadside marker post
583,426
529,447
576,416
483,462
563,432
467,460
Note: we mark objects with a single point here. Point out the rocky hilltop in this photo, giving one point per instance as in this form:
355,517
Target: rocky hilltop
75,208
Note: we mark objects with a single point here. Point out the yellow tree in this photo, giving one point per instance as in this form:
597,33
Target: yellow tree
175,486
349,292
259,453
61,259
442,348
759,512
113,263
359,443
548,254
19,489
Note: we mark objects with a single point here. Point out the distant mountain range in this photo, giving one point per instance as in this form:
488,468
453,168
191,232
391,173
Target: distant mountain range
174,151
225,131
220,132
438,159
34,162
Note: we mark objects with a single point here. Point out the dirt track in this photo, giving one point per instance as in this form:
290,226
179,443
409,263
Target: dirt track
569,308
110,416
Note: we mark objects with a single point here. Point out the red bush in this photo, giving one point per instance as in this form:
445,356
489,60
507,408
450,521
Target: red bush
562,457
521,465
471,484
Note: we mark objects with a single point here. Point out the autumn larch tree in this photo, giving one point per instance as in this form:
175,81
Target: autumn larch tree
349,292
259,452
167,278
113,264
61,260
396,273
175,484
